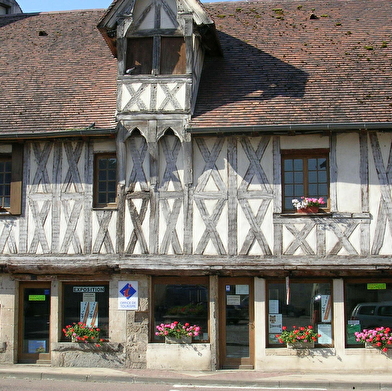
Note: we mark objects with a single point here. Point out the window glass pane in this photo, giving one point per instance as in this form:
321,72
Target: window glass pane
184,303
139,56
298,165
173,58
298,190
367,305
289,190
323,190
288,177
288,204
312,190
310,303
298,177
312,177
83,302
288,165
322,176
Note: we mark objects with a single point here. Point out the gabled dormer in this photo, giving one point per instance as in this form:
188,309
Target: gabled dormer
160,46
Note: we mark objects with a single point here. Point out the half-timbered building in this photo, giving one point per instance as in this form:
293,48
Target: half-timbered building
149,158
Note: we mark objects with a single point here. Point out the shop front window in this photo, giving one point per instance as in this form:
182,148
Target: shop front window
87,303
184,300
300,303
368,304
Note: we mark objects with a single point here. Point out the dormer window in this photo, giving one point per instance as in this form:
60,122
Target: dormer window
156,55
3,9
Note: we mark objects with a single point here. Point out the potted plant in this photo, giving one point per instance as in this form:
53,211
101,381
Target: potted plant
80,332
299,337
379,338
176,332
308,205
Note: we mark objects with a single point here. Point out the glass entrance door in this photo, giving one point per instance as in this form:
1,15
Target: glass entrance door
236,323
34,319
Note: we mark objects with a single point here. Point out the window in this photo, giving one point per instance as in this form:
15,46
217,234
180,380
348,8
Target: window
368,304
170,58
11,170
305,173
3,9
86,302
300,303
187,302
105,191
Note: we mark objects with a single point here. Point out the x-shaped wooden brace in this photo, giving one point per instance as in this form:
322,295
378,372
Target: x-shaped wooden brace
171,218
41,175
300,238
171,172
73,156
255,168
210,232
137,221
343,237
170,96
103,236
385,205
210,168
138,155
39,217
70,233
7,236
135,97
255,232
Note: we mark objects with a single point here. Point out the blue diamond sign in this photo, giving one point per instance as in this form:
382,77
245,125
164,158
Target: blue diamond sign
128,295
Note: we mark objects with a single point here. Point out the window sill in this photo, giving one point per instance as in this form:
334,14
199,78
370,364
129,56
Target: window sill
105,207
332,215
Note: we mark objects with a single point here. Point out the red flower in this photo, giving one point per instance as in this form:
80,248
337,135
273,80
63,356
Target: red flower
284,327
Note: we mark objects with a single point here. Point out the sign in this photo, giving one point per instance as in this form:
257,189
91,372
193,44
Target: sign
325,331
326,305
242,289
233,300
275,323
37,297
89,297
89,313
128,298
273,307
88,289
379,285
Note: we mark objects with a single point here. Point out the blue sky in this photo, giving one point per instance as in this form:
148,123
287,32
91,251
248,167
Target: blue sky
65,5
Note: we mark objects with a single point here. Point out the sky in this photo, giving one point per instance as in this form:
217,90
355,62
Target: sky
65,5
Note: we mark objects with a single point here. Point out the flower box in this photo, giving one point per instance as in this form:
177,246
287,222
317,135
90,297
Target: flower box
301,345
309,209
184,339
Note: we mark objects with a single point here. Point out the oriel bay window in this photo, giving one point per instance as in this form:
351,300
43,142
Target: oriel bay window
86,302
294,302
305,173
184,300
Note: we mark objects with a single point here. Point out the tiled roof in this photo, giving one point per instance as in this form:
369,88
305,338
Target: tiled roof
56,73
298,62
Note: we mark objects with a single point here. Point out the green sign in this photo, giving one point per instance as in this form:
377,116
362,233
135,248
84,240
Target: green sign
37,297
377,285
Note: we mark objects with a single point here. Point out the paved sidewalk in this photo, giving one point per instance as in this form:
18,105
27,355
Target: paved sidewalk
239,378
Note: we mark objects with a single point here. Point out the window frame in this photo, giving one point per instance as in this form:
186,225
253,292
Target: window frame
305,154
96,192
200,280
299,281
104,327
348,313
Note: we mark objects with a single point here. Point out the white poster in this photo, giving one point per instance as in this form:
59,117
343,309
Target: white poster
128,297
273,307
275,323
325,331
89,313
326,305
233,300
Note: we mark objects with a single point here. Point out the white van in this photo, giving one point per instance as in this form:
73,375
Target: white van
371,315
